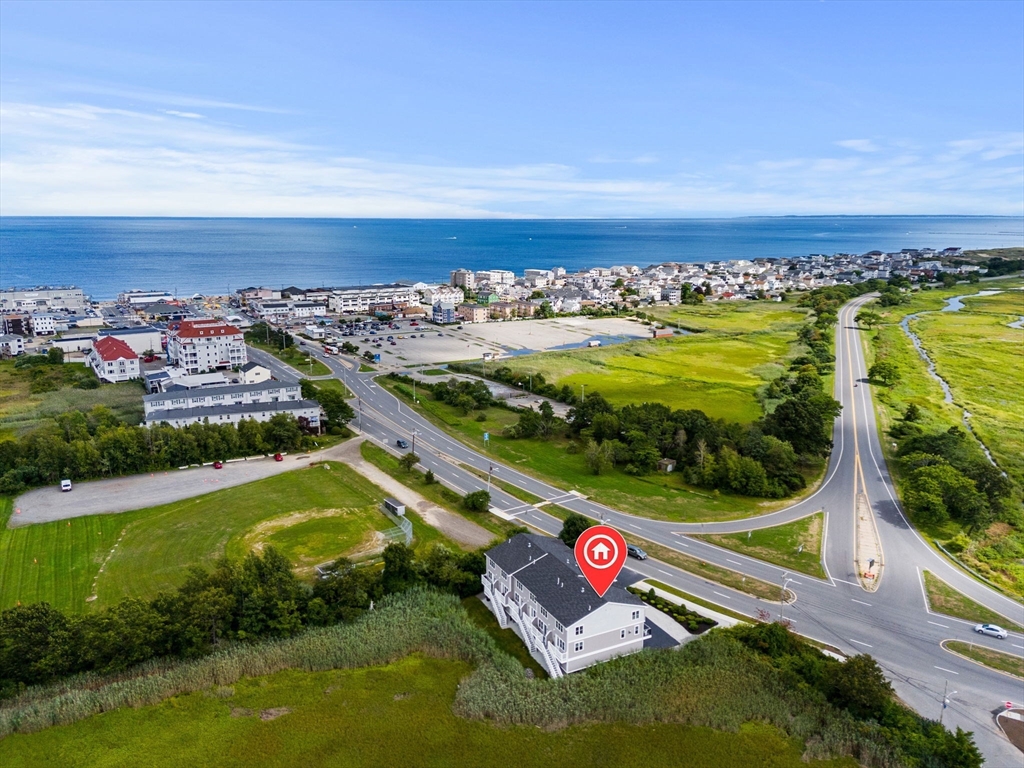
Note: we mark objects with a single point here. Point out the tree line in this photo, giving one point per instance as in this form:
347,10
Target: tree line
236,602
79,446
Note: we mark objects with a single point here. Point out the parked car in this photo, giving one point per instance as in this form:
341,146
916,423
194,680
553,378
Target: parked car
65,485
401,444
634,551
991,630
218,465
278,457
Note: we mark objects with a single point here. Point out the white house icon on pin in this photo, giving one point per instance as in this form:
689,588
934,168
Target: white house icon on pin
600,551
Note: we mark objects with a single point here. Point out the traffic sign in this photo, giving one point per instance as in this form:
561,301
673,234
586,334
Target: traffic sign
600,553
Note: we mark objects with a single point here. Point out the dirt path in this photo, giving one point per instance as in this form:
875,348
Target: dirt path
455,527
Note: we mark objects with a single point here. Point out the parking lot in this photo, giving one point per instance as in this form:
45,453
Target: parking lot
427,344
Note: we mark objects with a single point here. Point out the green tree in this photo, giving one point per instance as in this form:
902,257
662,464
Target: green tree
885,371
948,279
399,569
572,527
860,686
913,413
408,460
36,644
869,318
55,356
477,501
599,457
336,408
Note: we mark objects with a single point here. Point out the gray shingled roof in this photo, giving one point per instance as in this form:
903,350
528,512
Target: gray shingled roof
547,568
217,389
282,406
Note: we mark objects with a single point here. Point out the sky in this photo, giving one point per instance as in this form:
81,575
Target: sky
511,109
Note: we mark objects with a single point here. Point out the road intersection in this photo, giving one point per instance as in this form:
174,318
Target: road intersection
892,623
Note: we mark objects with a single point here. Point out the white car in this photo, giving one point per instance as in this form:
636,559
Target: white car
65,485
991,630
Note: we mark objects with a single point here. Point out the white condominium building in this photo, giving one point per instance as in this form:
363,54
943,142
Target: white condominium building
205,345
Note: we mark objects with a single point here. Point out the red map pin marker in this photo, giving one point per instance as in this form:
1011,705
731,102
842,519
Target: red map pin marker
600,552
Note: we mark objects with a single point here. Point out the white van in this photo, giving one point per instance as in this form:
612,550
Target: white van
65,485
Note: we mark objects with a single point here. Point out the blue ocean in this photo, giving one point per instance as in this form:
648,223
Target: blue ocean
106,255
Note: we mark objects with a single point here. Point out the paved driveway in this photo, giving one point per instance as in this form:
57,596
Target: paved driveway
122,494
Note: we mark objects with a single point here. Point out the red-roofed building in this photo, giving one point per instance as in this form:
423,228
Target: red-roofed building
204,345
113,360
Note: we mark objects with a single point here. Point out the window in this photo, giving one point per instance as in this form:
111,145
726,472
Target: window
636,630
561,645
622,634
579,630
636,615
559,627
543,611
577,647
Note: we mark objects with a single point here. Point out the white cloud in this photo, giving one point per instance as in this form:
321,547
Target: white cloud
858,145
80,159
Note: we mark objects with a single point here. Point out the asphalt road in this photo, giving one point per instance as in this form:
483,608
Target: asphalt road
892,624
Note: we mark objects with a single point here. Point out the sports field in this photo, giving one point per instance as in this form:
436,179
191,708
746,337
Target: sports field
312,515
399,714
719,370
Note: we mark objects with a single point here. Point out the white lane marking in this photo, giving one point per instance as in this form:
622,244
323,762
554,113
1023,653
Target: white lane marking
1018,646
635,527
844,581
858,642
944,626
794,581
734,561
861,602
948,670
721,595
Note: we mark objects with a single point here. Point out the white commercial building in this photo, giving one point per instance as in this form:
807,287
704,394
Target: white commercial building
67,298
46,324
138,299
496,276
534,585
11,345
462,278
205,345
141,338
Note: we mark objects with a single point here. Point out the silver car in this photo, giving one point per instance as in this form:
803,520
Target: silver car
991,630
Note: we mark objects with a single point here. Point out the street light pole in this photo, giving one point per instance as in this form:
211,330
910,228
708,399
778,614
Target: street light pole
945,700
490,469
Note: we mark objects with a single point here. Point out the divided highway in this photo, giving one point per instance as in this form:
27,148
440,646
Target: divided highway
892,624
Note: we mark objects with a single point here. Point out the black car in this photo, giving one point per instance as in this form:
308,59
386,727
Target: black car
401,443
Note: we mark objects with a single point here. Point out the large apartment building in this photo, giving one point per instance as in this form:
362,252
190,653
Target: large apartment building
361,298
205,345
232,413
534,585
178,397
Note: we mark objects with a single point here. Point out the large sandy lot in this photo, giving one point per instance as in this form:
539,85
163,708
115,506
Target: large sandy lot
501,339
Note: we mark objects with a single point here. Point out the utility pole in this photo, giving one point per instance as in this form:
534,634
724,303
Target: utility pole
490,469
945,699
414,442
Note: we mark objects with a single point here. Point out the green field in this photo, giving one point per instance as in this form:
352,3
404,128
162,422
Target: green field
659,496
21,410
395,715
312,515
718,371
506,639
795,545
982,360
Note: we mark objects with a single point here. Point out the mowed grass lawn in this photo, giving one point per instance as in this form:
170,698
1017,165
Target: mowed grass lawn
718,372
659,496
982,358
313,515
396,715
796,545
